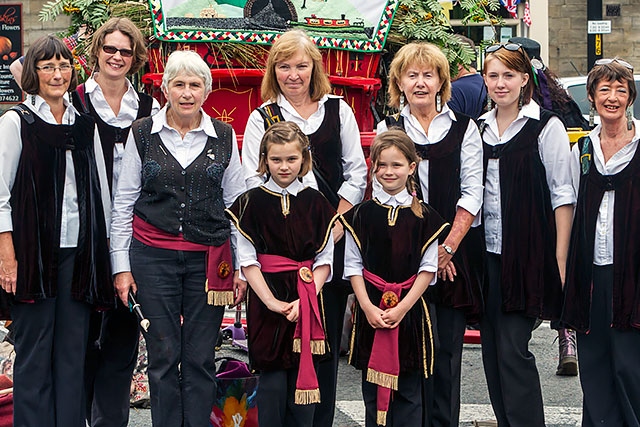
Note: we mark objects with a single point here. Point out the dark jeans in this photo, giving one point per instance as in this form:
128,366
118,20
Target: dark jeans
182,334
50,343
111,359
608,360
509,366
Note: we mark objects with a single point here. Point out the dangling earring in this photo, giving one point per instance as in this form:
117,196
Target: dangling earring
629,117
438,102
33,100
521,99
489,103
401,101
592,114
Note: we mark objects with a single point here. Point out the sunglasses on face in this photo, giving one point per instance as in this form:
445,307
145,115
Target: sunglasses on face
511,47
606,61
111,50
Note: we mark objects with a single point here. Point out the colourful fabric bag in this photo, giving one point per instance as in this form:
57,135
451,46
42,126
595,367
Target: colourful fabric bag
235,404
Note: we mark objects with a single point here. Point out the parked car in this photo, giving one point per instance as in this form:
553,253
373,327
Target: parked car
577,88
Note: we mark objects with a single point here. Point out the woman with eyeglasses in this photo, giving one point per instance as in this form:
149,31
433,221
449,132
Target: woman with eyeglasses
528,206
602,294
54,215
450,180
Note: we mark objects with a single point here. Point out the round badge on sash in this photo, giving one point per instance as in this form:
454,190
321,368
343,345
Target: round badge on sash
306,274
224,270
390,299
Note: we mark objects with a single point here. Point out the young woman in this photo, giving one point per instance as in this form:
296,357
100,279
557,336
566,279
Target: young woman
286,253
391,258
528,207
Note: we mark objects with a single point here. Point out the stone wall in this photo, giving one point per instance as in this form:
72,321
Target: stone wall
568,35
33,27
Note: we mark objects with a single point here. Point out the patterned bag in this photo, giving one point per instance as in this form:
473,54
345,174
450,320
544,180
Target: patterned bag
235,404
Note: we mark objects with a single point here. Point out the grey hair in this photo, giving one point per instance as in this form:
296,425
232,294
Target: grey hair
186,61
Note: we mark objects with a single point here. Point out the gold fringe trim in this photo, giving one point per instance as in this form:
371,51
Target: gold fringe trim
381,418
297,345
317,347
382,379
220,297
307,397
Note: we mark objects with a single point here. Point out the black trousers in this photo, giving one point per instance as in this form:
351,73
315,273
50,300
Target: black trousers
509,366
334,298
451,325
182,335
276,401
608,361
405,408
50,343
111,358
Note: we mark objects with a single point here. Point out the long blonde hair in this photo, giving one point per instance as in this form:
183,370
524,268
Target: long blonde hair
399,139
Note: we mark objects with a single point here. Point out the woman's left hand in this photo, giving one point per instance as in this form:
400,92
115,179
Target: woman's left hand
294,311
448,272
239,288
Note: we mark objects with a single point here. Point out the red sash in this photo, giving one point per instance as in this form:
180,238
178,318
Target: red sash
219,283
384,363
309,337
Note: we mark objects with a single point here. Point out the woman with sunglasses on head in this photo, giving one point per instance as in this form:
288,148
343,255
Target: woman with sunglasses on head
602,292
117,50
450,180
54,214
528,206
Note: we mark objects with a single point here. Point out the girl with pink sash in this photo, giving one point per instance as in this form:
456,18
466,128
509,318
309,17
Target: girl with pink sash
391,259
285,252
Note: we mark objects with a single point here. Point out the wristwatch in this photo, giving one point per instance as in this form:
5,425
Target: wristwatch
447,249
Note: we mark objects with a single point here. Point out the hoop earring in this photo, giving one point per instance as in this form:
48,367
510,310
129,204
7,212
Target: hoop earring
521,99
438,102
401,102
629,117
592,114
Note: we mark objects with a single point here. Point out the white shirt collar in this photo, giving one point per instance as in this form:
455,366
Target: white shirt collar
40,106
530,110
406,112
403,198
160,121
91,84
294,188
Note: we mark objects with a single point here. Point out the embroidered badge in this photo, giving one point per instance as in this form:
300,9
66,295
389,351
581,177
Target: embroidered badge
390,299
224,270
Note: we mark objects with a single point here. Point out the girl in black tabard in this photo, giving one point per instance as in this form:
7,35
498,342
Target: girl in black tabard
391,258
286,253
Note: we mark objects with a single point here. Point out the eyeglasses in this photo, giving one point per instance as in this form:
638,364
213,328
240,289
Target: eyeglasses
511,47
606,61
111,50
50,69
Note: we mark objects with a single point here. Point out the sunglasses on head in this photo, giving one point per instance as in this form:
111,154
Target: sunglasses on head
606,61
511,47
111,50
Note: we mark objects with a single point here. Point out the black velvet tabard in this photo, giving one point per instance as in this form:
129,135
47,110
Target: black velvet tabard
191,198
300,235
36,204
109,135
326,149
530,277
626,246
465,292
392,243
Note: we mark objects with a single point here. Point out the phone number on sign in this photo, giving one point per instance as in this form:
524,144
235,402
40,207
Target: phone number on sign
9,98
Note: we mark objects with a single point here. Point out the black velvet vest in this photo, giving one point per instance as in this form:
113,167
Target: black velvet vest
530,277
392,243
626,245
191,198
109,135
36,202
326,147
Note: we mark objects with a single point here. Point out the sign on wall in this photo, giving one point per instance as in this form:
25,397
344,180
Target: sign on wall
10,49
